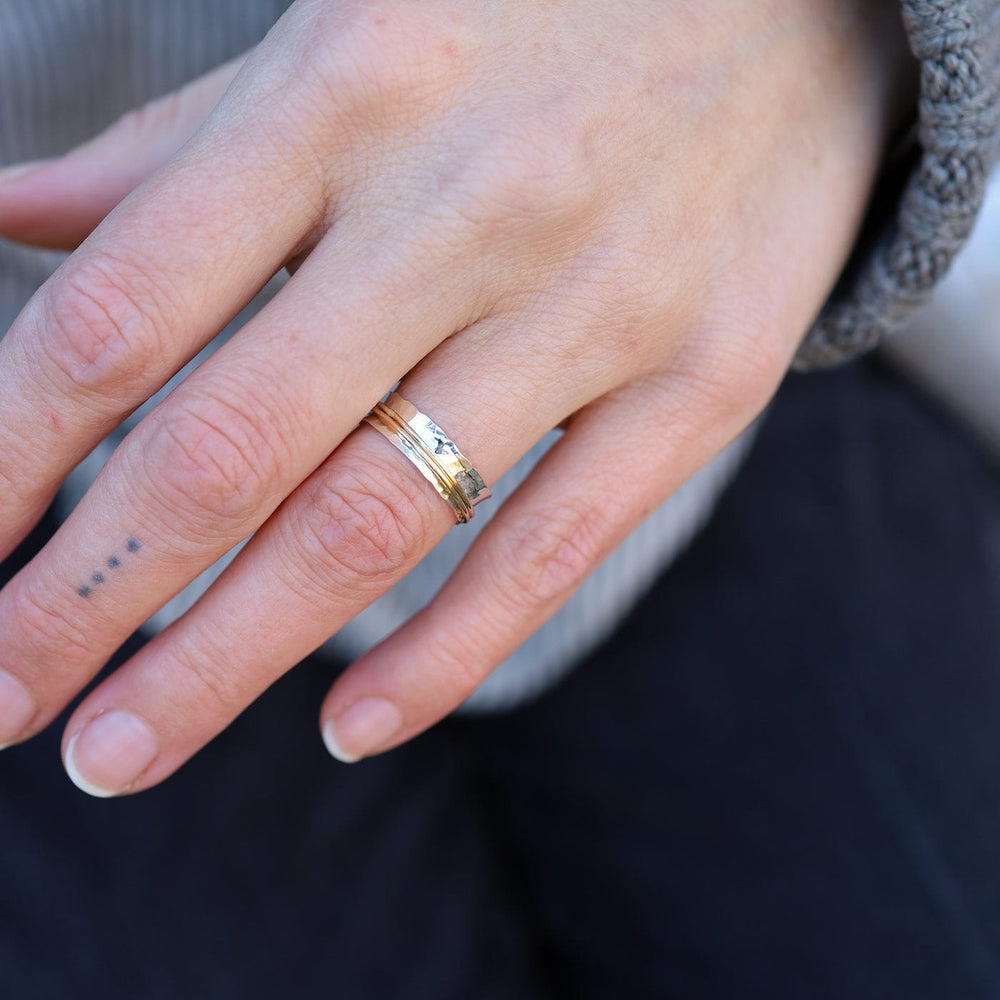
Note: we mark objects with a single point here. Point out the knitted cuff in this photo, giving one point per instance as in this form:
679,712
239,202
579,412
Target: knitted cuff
894,269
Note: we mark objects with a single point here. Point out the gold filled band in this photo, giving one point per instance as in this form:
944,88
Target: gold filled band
434,454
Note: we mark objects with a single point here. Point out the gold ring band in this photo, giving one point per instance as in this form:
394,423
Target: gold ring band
403,437
434,454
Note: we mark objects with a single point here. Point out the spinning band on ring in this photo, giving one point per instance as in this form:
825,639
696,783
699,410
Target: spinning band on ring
435,455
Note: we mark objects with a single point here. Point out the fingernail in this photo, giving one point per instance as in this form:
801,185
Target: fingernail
362,729
19,170
17,709
110,753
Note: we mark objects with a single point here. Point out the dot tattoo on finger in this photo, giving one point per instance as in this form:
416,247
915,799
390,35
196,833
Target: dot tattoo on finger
113,562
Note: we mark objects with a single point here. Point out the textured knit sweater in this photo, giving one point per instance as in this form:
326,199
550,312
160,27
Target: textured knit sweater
70,67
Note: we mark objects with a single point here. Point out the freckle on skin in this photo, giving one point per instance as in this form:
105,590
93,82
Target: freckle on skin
114,562
132,545
97,578
83,591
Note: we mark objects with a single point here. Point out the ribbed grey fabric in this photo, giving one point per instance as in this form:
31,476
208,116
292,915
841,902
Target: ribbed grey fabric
69,67
958,134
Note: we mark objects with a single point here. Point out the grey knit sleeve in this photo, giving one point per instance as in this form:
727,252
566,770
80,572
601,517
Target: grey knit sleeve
956,141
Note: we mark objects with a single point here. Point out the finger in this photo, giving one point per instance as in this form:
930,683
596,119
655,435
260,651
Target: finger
154,283
58,202
620,458
354,527
215,459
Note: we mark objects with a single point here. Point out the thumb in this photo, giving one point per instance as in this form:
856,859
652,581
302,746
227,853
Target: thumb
58,202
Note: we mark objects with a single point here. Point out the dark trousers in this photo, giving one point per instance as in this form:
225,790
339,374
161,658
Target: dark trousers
780,779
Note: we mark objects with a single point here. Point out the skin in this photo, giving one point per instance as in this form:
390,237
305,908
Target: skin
621,218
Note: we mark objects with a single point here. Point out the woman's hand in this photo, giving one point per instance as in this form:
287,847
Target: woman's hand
617,216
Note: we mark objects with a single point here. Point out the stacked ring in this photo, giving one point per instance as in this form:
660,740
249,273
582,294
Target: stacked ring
435,455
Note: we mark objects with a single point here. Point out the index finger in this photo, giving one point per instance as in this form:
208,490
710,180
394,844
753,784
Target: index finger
155,282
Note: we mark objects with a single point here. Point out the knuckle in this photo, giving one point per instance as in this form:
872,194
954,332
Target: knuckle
551,554
754,366
208,670
733,372
366,528
212,462
101,325
46,633
385,60
539,176
730,361
18,494
751,354
458,667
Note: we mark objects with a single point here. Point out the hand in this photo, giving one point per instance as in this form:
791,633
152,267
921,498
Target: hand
620,217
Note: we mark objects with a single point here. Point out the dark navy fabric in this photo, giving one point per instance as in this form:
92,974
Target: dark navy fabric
779,780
